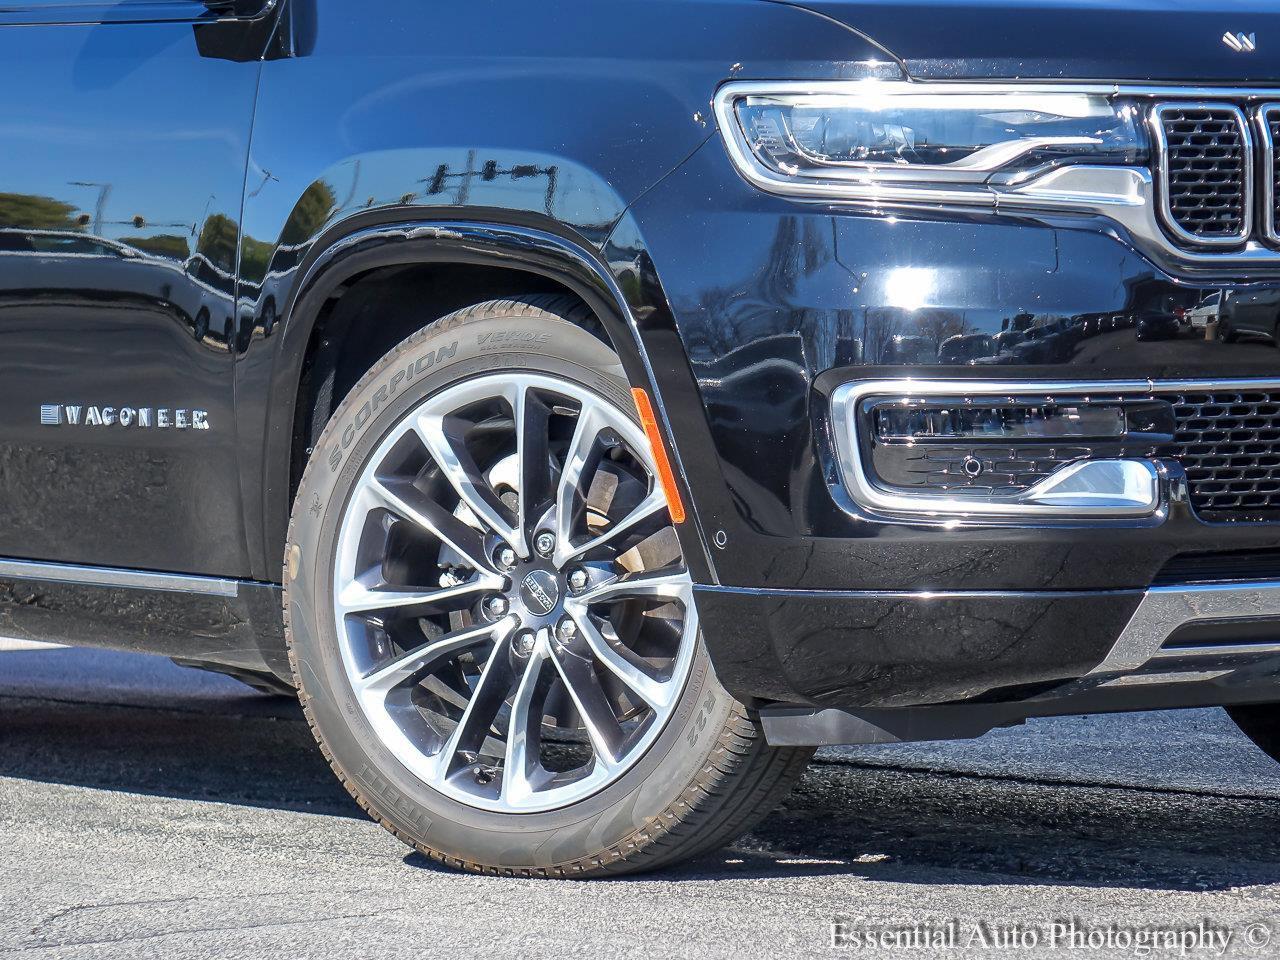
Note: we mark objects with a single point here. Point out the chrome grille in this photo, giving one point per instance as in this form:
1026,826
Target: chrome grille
1205,170
1228,442
1269,124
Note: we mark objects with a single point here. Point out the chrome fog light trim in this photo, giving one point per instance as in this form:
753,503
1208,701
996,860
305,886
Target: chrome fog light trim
1091,483
1084,490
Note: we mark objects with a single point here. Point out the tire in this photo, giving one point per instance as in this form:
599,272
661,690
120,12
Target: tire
1260,722
685,771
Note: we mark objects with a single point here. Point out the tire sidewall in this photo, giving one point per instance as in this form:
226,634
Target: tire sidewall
417,368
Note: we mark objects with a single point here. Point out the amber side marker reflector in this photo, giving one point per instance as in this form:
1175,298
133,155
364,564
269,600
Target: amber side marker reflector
675,506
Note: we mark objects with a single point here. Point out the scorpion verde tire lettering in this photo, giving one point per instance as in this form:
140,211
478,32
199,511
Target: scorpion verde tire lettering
490,621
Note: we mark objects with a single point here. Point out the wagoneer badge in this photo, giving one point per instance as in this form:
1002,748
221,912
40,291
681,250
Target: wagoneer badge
164,418
1241,42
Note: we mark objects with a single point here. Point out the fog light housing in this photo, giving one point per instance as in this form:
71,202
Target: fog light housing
950,448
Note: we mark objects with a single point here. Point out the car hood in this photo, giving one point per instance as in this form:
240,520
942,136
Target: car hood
1131,40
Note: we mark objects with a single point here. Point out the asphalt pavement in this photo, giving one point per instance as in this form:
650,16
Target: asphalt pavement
148,810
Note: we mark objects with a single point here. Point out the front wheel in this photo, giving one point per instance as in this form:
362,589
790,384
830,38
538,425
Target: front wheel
492,626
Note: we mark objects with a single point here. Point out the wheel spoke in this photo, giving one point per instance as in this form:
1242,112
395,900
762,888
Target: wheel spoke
656,500
668,586
357,597
524,731
585,433
607,736
487,698
407,665
656,693
403,498
460,470
533,456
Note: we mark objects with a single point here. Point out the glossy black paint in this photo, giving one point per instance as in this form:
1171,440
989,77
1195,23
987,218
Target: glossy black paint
183,196
120,191
1142,40
242,630
840,649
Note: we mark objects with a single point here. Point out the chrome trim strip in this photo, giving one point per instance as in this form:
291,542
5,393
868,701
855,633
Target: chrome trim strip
118,577
1164,609
1127,197
1159,137
1267,179
1218,650
885,86
908,594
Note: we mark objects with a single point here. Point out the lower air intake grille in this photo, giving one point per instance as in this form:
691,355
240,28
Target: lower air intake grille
1206,171
1229,445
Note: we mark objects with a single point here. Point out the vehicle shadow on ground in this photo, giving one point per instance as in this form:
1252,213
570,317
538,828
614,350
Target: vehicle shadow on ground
844,818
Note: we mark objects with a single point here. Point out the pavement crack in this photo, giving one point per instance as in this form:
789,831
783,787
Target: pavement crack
181,931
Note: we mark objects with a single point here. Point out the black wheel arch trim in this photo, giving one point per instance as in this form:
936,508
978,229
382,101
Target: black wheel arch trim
357,248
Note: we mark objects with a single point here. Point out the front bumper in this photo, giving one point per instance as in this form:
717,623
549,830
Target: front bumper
1042,653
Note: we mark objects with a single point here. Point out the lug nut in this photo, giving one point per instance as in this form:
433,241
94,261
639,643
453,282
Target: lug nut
566,630
524,642
496,607
545,543
578,579
506,557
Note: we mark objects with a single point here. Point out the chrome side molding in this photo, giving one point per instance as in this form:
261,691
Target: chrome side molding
118,577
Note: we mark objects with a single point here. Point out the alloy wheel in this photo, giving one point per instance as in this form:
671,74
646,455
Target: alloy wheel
513,610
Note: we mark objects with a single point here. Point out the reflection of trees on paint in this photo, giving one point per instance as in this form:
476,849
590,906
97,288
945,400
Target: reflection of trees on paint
36,213
310,214
218,240
937,326
162,245
879,326
255,257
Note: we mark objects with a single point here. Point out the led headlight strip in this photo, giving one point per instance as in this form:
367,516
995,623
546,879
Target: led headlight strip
892,140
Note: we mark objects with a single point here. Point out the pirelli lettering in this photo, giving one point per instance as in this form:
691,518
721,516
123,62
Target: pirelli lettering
157,418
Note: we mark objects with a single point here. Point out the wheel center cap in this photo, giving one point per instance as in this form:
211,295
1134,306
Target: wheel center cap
540,591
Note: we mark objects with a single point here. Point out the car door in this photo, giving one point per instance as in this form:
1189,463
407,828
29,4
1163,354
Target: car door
124,130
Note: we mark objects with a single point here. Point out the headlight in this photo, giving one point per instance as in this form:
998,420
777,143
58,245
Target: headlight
898,140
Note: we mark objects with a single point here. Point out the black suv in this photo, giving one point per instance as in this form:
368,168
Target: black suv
592,408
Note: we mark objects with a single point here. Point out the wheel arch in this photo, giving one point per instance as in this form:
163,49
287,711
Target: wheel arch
351,251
